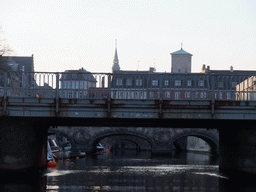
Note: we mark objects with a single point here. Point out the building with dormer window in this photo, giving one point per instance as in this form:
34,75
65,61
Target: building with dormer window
179,84
76,83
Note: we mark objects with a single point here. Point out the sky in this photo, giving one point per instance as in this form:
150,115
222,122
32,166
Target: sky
71,34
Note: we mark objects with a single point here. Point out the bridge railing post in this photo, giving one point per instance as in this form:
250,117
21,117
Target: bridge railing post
57,93
5,91
109,95
213,78
161,96
161,87
109,86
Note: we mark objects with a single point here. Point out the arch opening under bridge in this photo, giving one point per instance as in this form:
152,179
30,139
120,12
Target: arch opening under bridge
180,142
63,140
136,140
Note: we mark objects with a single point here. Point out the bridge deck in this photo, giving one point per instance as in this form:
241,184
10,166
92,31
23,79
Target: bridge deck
128,109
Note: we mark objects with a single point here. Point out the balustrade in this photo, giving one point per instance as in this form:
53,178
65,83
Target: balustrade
160,86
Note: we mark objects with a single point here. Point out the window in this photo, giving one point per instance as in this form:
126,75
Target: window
124,94
73,84
120,95
118,81
154,82
69,84
179,70
233,84
167,94
86,85
63,94
228,96
177,95
69,94
63,84
220,84
81,84
203,95
177,83
187,95
189,83
128,82
129,94
137,95
80,94
74,76
220,95
77,84
142,95
138,82
151,94
200,83
166,82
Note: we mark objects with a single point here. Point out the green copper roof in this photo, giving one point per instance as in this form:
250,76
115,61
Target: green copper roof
181,52
116,57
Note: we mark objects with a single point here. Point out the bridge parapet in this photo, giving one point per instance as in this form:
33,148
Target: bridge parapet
127,96
123,85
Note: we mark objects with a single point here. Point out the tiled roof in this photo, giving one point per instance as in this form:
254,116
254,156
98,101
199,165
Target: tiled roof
80,74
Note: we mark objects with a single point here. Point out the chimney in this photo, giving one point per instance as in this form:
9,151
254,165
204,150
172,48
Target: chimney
152,69
203,69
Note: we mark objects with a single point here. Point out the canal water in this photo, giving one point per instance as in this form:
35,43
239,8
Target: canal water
128,170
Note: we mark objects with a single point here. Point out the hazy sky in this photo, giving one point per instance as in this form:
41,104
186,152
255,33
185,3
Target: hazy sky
70,34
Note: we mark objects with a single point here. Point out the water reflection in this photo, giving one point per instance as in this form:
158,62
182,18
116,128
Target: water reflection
132,171
26,183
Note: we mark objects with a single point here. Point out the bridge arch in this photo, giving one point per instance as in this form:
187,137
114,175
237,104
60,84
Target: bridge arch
101,136
126,141
210,139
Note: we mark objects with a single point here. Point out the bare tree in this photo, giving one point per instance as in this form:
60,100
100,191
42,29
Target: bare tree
4,50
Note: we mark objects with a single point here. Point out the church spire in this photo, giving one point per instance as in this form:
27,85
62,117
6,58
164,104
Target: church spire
116,66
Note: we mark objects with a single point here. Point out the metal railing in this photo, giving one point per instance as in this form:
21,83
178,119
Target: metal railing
163,86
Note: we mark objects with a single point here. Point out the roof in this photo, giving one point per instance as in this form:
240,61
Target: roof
26,61
181,52
80,74
234,72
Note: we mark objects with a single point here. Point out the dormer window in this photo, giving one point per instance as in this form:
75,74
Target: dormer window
119,82
166,82
138,82
74,76
128,82
189,83
200,83
177,83
154,82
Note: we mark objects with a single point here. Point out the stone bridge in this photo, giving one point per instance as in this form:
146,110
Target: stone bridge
157,140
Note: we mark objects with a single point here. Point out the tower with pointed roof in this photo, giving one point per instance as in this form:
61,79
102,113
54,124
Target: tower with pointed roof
116,66
181,61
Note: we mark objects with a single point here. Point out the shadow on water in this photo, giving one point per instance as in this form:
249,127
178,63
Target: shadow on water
128,170
26,183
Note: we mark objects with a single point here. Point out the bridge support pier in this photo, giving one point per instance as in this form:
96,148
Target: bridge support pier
23,146
238,150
